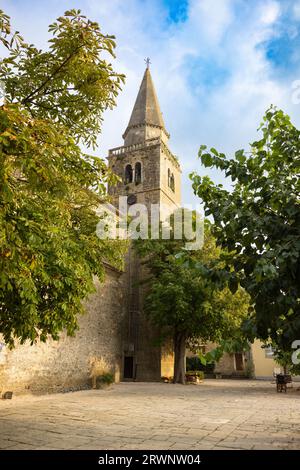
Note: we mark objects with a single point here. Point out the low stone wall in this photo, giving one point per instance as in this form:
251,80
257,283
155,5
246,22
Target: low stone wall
225,366
64,365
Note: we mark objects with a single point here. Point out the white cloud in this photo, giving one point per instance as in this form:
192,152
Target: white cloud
213,18
296,10
270,12
227,33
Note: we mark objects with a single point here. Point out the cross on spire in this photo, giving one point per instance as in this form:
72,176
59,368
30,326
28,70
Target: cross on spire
147,61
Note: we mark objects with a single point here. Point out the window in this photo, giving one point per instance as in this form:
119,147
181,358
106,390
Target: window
172,183
138,173
128,174
171,180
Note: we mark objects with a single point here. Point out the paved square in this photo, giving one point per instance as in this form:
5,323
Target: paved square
217,414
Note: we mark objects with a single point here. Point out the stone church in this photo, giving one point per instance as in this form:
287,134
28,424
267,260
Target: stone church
114,326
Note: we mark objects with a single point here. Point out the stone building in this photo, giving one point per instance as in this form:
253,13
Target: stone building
114,326
150,175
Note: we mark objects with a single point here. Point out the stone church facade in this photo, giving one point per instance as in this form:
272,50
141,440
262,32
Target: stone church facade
114,326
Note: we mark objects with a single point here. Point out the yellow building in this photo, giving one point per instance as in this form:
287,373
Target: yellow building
257,363
263,360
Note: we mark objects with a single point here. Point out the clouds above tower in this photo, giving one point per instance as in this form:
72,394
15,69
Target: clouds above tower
217,65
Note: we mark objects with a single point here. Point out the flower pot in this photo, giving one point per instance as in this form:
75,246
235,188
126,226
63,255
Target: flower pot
192,379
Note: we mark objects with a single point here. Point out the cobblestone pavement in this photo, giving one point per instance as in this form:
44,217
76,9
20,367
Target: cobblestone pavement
217,414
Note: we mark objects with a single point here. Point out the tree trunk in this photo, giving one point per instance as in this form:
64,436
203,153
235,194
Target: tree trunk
179,358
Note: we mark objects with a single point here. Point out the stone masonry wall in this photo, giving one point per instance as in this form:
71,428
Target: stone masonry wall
63,365
225,366
147,191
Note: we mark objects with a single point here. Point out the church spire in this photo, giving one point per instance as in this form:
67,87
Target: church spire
146,119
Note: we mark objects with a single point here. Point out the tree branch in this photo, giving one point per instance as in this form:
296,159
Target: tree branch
48,79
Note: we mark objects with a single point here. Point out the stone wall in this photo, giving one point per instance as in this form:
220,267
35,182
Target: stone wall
64,364
225,366
168,163
155,160
140,337
147,191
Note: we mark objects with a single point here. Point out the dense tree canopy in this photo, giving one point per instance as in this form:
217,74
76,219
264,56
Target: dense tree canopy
259,223
49,251
184,301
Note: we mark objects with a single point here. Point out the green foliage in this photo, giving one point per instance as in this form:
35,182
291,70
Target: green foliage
258,222
284,359
183,299
105,379
211,356
195,373
71,83
249,369
49,251
194,363
235,341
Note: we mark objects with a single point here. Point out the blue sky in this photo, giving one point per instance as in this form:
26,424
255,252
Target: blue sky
217,64
177,10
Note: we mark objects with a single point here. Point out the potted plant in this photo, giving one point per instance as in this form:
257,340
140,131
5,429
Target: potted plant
166,379
194,376
104,380
100,373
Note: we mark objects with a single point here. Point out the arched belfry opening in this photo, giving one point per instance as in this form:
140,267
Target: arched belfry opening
138,173
128,174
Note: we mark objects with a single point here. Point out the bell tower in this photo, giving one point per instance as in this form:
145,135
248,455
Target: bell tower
149,174
146,166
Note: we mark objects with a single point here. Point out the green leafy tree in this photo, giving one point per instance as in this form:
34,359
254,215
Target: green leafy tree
49,189
71,83
258,222
183,301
